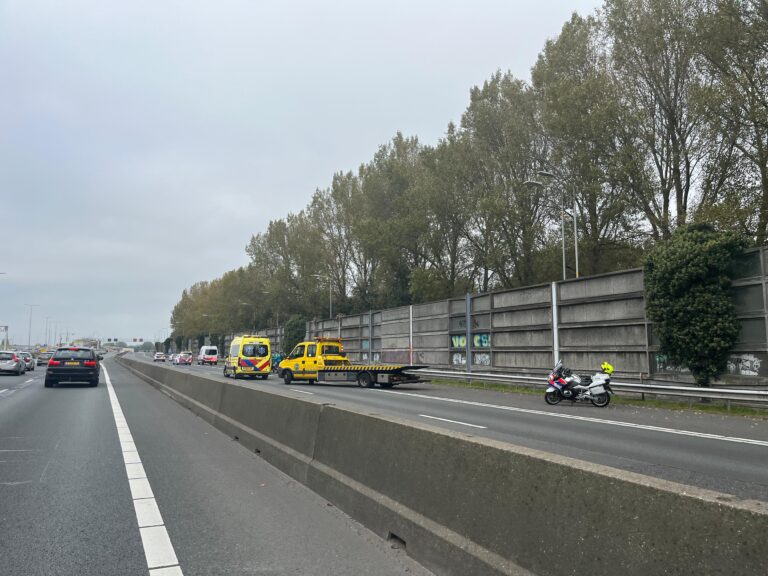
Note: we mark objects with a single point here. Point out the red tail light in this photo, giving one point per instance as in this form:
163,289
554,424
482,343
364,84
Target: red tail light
90,363
53,362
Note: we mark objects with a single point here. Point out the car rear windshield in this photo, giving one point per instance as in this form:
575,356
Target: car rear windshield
6,355
74,354
255,350
210,351
332,349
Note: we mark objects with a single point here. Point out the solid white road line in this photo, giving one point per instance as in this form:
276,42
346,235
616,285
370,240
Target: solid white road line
302,391
703,435
158,550
453,421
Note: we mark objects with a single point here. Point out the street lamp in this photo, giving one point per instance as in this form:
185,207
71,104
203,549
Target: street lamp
330,292
29,331
563,213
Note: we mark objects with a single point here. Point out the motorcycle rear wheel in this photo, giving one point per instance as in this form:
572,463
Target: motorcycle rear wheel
552,398
601,400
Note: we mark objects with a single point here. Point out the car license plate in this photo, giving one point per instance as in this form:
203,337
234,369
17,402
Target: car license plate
248,369
597,390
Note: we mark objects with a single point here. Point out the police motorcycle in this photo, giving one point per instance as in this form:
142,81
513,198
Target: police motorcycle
564,385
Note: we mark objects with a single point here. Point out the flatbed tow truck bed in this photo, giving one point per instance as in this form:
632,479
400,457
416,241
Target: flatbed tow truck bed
367,376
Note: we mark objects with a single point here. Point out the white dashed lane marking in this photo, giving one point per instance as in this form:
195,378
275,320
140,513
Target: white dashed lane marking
453,421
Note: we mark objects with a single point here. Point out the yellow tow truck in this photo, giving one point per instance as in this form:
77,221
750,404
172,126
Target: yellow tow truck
324,360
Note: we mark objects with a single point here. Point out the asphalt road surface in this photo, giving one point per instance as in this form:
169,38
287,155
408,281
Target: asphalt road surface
718,452
121,480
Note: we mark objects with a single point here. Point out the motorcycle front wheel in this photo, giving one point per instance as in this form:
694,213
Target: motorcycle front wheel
601,400
552,398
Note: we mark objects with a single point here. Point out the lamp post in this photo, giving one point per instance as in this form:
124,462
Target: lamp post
563,213
29,330
47,319
208,326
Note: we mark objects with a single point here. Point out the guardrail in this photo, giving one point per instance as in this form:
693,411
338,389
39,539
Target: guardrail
727,394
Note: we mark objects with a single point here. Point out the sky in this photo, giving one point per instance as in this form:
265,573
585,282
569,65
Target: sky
143,143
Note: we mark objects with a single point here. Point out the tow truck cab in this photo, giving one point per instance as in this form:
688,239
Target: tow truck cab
308,357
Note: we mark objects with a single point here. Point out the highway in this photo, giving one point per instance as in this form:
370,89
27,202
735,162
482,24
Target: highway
121,480
718,452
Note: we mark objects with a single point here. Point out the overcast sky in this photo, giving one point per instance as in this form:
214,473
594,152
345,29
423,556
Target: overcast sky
142,143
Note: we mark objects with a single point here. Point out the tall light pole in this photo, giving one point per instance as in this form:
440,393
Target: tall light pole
29,330
563,213
208,322
47,318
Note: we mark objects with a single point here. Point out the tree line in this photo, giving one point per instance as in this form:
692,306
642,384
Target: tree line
638,119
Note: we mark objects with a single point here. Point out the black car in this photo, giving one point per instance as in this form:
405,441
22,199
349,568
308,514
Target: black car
73,364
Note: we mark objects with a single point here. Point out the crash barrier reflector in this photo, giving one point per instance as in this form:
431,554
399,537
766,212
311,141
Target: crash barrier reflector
474,506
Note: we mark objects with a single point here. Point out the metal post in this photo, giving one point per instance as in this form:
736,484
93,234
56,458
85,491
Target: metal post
562,228
29,330
370,336
468,316
555,335
575,232
330,298
410,334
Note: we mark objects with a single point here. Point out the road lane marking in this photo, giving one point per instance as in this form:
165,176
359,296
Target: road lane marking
302,391
28,381
453,421
586,419
3,390
172,571
158,549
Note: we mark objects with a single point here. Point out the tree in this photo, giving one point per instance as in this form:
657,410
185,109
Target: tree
655,55
733,38
295,332
441,199
506,218
687,291
581,111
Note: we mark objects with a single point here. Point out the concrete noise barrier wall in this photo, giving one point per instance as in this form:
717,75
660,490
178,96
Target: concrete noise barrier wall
469,506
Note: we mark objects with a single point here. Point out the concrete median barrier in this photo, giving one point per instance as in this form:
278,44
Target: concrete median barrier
466,506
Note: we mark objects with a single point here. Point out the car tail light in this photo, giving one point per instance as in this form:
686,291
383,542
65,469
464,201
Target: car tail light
53,362
90,363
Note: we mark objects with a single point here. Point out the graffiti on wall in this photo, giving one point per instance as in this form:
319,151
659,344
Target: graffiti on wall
664,365
481,340
462,323
744,365
478,359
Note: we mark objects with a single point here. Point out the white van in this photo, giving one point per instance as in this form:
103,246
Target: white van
208,355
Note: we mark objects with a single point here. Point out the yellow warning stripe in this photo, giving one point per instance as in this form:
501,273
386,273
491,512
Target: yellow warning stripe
377,368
